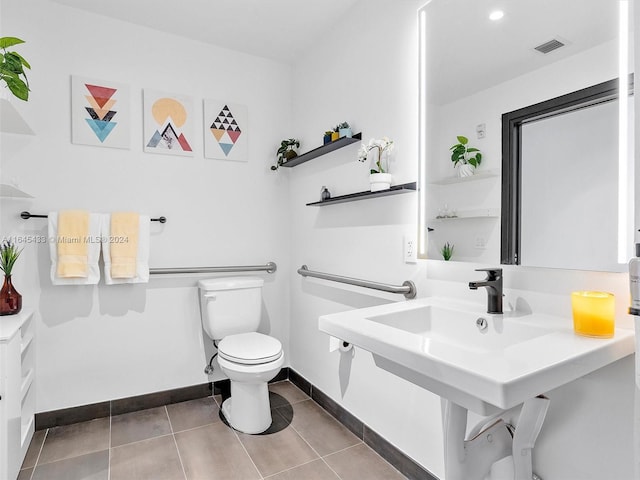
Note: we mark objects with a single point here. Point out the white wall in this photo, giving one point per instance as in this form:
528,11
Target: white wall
588,433
100,343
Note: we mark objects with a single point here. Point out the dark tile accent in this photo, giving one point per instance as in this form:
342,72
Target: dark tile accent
395,457
283,374
67,416
93,466
344,417
299,381
159,399
222,388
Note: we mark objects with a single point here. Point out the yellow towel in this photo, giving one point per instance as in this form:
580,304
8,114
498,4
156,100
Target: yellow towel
125,227
73,247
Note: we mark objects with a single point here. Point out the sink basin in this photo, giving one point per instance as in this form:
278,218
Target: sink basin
436,343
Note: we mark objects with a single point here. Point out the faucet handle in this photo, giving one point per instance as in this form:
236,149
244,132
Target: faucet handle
492,273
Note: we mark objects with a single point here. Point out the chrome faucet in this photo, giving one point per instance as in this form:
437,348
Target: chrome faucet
493,284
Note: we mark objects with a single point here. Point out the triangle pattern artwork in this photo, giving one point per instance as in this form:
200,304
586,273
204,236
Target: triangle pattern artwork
168,123
101,119
100,113
225,130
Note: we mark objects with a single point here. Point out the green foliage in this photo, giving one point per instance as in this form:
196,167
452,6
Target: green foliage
460,152
286,151
12,68
9,253
341,125
447,251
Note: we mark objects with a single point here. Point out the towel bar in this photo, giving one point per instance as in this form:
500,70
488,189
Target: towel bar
408,288
27,215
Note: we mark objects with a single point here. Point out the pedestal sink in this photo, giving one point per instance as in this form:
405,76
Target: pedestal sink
481,362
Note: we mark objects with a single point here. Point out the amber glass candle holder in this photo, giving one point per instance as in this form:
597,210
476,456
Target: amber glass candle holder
593,313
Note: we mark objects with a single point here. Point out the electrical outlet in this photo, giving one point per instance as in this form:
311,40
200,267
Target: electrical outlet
481,242
481,130
410,249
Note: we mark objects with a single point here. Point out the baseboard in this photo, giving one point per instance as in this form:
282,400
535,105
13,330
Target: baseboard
385,449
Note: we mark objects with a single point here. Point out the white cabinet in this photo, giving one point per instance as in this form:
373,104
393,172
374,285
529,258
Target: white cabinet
17,393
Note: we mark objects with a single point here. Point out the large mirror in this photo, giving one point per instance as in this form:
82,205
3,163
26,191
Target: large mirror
483,59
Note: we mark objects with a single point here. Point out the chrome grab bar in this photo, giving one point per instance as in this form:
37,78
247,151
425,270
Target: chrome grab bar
408,288
270,267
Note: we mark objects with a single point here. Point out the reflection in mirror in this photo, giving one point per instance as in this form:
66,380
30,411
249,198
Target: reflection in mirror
473,70
572,221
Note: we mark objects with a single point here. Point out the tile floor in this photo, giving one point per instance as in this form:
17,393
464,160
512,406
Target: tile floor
189,441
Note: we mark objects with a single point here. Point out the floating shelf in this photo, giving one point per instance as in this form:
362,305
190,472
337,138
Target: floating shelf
471,178
9,191
11,121
352,197
323,150
467,214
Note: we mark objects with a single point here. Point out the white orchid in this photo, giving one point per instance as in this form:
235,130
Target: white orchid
383,145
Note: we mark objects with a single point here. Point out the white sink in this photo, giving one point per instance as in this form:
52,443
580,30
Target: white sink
436,343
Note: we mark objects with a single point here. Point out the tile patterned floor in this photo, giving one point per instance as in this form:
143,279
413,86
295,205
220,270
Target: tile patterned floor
189,441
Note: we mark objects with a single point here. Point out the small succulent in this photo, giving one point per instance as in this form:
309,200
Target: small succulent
342,125
447,251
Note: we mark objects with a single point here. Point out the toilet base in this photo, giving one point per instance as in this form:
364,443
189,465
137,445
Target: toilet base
248,409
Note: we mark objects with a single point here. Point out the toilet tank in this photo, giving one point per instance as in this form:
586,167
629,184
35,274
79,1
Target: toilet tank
230,305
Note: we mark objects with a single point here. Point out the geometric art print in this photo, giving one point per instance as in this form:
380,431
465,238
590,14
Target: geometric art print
100,113
225,131
168,123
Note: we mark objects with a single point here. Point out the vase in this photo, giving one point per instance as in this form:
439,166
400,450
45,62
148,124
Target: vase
465,170
380,181
10,299
335,136
345,132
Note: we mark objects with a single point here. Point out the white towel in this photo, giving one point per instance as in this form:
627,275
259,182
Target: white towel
142,263
93,252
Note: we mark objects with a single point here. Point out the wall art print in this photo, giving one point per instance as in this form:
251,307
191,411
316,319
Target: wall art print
100,113
225,131
168,123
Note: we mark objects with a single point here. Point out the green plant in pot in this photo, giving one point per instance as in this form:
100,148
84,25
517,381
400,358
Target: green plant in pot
12,68
10,299
344,130
447,251
286,152
466,158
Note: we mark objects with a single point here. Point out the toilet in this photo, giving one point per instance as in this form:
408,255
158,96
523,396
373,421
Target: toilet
230,309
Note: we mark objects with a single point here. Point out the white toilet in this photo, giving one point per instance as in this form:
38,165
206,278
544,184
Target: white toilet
230,310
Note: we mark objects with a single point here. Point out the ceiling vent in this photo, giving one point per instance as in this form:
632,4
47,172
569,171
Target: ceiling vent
549,46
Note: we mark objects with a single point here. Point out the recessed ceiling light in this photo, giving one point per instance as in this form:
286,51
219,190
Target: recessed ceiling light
496,15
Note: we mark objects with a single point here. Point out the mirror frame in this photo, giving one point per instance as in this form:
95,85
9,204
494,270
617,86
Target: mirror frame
512,123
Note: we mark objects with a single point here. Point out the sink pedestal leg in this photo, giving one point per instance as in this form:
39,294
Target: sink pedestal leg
472,459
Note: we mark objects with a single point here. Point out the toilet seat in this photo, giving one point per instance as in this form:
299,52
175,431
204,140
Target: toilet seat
250,348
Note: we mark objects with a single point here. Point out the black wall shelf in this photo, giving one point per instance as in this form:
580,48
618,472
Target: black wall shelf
352,197
323,150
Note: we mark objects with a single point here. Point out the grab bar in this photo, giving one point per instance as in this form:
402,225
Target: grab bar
408,288
270,267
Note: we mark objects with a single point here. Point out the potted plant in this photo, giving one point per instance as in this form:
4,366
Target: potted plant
447,251
12,67
379,151
344,130
10,299
327,137
466,158
335,134
286,152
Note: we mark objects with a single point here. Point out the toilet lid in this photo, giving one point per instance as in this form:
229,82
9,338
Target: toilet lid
249,348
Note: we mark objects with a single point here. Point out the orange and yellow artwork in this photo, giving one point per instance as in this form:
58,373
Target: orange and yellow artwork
168,123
